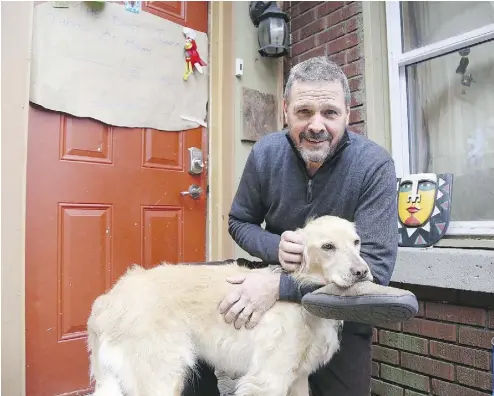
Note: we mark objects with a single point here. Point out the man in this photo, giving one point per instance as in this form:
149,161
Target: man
314,168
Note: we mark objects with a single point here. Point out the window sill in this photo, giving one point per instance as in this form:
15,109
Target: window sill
458,268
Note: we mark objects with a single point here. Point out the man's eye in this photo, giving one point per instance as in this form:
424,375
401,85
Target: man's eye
330,112
304,111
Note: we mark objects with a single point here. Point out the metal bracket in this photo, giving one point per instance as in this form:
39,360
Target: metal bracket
196,164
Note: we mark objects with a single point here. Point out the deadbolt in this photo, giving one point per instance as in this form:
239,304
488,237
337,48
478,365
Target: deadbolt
194,191
196,164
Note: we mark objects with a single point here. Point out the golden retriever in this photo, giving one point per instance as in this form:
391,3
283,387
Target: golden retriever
148,331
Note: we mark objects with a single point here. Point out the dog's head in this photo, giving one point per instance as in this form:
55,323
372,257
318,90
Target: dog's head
332,251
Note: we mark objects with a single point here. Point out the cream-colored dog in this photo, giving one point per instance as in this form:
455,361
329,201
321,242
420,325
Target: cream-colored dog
149,330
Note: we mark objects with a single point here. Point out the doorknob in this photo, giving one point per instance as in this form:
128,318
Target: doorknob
194,191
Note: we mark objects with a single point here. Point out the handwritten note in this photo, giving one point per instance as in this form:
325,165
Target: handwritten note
121,68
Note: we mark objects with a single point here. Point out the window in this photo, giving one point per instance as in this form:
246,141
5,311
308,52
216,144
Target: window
441,77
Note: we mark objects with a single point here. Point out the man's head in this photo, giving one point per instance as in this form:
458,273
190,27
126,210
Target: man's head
317,107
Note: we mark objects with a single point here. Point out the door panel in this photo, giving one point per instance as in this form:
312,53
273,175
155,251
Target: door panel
99,198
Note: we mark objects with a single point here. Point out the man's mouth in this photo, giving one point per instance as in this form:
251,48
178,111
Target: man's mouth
314,141
412,209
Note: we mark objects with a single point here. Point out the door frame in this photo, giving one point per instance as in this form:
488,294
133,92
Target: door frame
17,21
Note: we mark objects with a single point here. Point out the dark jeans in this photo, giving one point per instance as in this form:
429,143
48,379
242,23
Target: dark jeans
348,373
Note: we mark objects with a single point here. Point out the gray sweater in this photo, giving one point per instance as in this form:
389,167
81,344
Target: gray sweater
358,183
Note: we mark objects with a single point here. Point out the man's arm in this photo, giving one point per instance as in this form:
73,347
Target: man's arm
247,214
376,222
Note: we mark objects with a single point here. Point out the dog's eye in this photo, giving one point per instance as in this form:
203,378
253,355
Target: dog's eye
356,242
328,246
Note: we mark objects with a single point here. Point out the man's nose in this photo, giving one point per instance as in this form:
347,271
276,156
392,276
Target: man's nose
317,124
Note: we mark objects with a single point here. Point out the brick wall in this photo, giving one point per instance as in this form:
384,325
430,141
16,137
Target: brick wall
445,350
334,29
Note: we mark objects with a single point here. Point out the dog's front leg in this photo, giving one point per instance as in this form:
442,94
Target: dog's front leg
300,386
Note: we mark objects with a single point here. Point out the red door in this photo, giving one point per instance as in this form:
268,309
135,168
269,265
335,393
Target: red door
100,198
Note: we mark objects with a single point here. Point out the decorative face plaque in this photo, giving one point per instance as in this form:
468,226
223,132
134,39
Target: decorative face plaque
424,208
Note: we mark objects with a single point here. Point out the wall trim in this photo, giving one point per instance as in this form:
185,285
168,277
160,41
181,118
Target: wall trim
376,73
17,21
221,127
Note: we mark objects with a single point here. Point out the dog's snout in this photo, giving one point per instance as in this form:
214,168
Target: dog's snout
360,271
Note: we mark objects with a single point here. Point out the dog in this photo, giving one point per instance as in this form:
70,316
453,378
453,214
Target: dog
148,331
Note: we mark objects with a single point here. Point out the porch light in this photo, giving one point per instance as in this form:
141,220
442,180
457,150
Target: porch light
272,27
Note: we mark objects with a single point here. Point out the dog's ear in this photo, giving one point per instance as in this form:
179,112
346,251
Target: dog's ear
304,267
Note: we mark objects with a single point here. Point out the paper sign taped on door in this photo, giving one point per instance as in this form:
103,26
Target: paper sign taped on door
118,67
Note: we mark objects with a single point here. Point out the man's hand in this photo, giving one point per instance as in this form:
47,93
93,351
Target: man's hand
246,304
290,250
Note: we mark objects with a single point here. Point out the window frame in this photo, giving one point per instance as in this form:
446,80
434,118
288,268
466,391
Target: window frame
398,103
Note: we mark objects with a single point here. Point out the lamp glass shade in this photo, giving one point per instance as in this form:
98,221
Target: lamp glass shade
273,37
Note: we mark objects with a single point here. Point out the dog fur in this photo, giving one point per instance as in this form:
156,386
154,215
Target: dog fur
148,331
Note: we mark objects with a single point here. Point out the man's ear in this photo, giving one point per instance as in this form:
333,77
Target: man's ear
347,121
285,110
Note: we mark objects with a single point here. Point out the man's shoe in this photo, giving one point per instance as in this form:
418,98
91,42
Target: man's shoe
365,302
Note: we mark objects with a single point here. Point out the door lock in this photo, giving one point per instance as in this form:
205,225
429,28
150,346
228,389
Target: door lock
194,191
196,164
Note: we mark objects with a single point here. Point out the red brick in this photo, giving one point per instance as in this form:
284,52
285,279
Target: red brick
462,355
490,321
319,51
351,9
455,313
386,355
307,5
359,128
441,388
428,366
474,378
352,24
343,43
357,99
356,83
339,58
311,29
328,7
396,326
441,331
404,377
294,11
353,54
332,33
383,388
375,369
409,392
421,311
403,341
335,17
353,69
303,46
476,337
357,114
302,20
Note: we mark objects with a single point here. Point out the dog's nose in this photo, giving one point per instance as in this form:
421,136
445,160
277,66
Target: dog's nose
359,272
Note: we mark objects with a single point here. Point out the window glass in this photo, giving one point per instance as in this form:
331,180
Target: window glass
427,22
451,125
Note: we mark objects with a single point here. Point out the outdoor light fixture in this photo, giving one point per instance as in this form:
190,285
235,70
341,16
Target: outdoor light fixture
272,27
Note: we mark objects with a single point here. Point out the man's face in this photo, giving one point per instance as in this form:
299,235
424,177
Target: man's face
317,116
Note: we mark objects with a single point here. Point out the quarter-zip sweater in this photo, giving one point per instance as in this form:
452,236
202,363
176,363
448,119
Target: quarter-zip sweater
357,183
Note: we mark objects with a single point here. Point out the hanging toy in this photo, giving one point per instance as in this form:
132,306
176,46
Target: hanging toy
192,57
